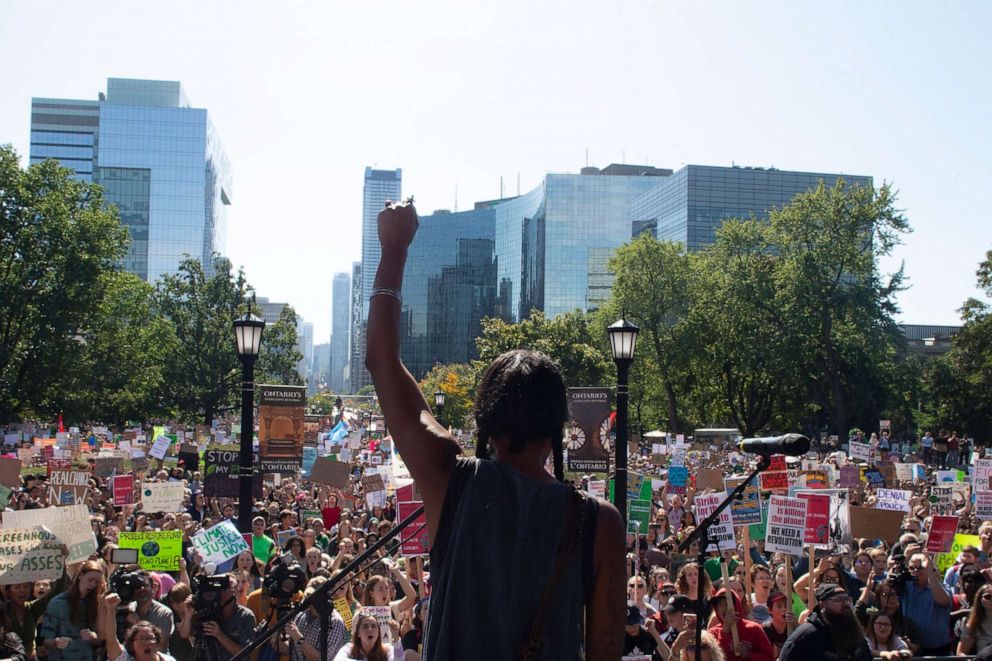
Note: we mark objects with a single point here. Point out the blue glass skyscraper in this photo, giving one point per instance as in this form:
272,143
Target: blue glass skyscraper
159,161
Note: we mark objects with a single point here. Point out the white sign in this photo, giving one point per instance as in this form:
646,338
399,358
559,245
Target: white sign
786,526
904,472
219,543
160,447
30,554
71,524
162,496
982,468
723,531
983,505
892,499
597,488
860,452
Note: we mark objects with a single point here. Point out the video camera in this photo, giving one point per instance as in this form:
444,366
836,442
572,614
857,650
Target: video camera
285,579
126,583
207,595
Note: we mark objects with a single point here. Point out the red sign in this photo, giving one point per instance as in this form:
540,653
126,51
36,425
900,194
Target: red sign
58,465
775,481
414,538
941,535
817,518
124,490
777,463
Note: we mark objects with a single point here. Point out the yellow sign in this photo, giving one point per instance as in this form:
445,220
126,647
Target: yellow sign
157,551
946,560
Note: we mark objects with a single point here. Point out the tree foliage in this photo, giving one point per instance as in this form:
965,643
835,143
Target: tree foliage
279,356
58,242
458,383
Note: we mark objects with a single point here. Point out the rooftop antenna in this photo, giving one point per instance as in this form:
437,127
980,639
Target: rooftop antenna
587,157
518,184
623,155
501,188
456,197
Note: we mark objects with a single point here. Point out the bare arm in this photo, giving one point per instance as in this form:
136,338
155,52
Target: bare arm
604,619
426,447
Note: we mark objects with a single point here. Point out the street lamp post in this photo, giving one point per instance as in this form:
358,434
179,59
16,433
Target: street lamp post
248,337
623,339
439,396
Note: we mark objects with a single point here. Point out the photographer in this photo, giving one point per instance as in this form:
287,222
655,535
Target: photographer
133,584
143,641
230,625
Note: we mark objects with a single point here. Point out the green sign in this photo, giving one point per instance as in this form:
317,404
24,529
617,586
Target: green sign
946,560
640,511
157,551
757,530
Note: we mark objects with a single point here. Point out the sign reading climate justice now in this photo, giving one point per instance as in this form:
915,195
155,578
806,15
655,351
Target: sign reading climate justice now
219,543
157,550
29,554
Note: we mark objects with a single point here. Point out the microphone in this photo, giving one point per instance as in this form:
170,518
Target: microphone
792,445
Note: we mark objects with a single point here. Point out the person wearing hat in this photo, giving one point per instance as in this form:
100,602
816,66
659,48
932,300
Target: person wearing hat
751,642
777,626
832,631
676,610
640,638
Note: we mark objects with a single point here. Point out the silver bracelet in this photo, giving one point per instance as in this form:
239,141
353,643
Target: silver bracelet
395,293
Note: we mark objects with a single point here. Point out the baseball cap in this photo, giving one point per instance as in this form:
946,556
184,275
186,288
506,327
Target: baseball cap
826,591
634,616
678,604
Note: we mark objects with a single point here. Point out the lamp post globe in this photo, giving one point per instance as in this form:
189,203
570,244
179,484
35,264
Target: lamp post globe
248,331
623,340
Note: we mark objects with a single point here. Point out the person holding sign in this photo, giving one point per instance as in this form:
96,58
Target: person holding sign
740,638
928,604
497,525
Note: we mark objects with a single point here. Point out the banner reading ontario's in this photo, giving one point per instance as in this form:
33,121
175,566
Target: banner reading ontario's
281,427
588,431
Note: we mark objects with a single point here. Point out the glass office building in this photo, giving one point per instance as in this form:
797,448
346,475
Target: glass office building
692,203
449,286
340,329
159,161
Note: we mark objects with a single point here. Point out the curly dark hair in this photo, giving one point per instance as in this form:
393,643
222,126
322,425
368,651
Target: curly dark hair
522,398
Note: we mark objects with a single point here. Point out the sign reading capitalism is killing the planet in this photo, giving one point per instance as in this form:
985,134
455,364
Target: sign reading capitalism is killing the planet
281,426
588,432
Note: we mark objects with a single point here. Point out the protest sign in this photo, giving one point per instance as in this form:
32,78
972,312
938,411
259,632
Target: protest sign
588,433
222,471
333,473
634,482
139,464
595,488
383,615
30,554
123,490
860,452
26,455
786,525
415,541
71,524
106,466
722,531
219,543
775,481
945,561
757,530
871,523
747,510
372,483
10,472
983,505
816,479
678,478
68,487
839,518
904,472
639,511
309,457
941,534
874,477
157,550
941,499
817,530
160,447
893,499
162,496
981,468
709,478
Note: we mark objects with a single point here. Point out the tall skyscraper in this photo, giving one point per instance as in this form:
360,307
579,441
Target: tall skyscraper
380,185
158,159
340,329
356,354
304,344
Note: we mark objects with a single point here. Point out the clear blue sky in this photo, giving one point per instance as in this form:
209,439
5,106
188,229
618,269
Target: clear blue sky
306,94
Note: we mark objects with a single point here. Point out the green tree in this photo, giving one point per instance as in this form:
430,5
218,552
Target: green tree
278,358
962,378
57,243
836,305
567,339
322,403
204,373
651,290
458,383
120,375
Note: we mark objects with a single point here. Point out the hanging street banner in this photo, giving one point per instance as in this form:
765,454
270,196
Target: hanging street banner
219,543
786,525
157,550
71,525
30,554
221,474
586,436
281,427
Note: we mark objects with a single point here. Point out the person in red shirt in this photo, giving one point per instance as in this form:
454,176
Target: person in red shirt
753,643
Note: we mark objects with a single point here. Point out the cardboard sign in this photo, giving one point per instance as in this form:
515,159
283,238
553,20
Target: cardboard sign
372,483
775,481
30,554
786,525
817,530
107,466
747,510
157,550
941,500
871,523
859,452
219,543
709,478
415,540
283,536
123,490
941,534
384,615
162,496
10,472
816,479
893,499
333,473
139,464
160,447
70,524
68,487
723,531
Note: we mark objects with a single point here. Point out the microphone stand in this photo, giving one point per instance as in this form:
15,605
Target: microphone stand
701,535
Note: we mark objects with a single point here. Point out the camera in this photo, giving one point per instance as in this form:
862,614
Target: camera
285,579
898,576
126,583
207,595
